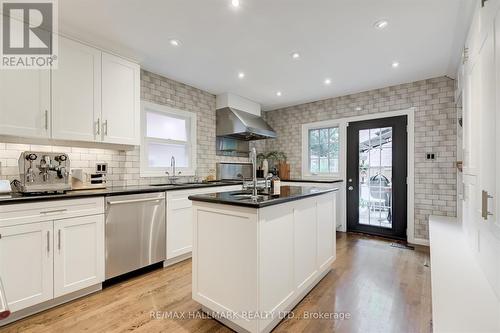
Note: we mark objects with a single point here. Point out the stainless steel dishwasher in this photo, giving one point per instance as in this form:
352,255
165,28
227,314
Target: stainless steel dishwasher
135,232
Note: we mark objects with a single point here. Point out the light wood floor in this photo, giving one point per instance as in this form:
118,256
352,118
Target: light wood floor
384,289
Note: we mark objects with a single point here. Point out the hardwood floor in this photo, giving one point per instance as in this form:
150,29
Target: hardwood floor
382,288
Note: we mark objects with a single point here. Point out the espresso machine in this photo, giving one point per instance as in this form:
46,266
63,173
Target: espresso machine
43,172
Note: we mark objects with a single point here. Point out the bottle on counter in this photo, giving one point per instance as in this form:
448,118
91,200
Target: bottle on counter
275,185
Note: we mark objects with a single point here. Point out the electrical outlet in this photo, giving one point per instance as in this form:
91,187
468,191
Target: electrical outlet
430,156
101,168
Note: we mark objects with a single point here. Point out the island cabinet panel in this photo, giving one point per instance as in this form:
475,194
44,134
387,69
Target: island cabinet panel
326,230
276,257
225,269
258,263
305,243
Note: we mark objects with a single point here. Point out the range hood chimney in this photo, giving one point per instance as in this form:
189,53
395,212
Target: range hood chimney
232,122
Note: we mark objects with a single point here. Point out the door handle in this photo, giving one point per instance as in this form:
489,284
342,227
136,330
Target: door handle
105,127
59,239
46,119
350,188
48,241
133,201
484,205
98,126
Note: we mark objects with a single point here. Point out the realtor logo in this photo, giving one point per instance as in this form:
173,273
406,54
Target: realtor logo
29,34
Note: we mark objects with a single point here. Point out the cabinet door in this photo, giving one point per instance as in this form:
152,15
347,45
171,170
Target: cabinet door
26,258
326,229
179,225
120,100
25,103
76,92
78,253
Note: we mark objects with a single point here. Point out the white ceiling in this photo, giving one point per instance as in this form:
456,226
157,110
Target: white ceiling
335,38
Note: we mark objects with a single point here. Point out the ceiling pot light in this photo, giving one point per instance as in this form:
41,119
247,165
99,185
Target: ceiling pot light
327,81
295,55
395,64
359,108
241,75
381,24
175,42
235,3
278,93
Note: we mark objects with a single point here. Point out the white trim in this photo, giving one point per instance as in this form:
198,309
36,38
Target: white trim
343,123
145,171
305,150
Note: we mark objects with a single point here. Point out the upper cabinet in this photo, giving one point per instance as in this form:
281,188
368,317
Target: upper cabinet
76,92
120,100
25,103
92,96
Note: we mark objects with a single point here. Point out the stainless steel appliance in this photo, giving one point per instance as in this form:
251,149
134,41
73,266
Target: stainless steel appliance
241,125
234,171
43,172
135,232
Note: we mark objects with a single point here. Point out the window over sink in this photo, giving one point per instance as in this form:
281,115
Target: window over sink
167,132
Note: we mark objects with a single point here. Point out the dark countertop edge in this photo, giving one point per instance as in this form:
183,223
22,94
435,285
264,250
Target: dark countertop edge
258,205
326,181
78,194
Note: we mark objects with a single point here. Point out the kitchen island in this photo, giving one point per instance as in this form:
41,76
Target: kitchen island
254,259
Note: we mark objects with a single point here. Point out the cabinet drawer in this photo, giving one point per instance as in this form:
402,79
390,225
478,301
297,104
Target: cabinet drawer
49,210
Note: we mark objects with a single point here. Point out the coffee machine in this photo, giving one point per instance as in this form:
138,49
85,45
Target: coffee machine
43,172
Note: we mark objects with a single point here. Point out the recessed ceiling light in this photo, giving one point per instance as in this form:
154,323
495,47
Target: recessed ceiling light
241,75
295,55
175,42
359,108
381,24
235,3
395,64
278,93
328,81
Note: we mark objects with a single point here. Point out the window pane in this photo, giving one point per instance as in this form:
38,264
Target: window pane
324,150
165,127
160,155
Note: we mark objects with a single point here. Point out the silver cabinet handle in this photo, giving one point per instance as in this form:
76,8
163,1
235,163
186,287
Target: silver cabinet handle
132,201
59,239
98,126
484,205
48,241
54,211
105,126
46,119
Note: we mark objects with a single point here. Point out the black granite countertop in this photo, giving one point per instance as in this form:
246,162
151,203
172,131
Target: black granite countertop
242,198
115,190
322,181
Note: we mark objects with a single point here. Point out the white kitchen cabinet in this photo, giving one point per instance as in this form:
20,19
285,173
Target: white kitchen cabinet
180,219
120,100
327,238
25,103
76,92
78,253
26,257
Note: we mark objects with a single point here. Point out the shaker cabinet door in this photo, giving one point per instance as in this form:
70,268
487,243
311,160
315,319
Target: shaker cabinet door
25,103
76,92
26,257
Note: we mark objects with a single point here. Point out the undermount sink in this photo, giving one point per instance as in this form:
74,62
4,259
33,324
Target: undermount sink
245,196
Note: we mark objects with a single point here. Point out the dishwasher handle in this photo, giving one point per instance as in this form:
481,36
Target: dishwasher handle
118,202
4,306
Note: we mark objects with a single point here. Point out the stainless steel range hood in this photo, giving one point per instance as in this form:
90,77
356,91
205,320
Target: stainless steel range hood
241,125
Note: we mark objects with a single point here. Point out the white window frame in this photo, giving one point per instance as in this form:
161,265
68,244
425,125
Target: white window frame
145,169
305,150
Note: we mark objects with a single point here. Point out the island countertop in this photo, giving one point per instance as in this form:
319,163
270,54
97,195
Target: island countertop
243,198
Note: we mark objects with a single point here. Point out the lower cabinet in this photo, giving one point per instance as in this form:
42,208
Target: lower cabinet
78,253
40,261
26,261
180,218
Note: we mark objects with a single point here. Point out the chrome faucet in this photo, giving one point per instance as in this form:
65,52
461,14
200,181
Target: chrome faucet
253,159
172,177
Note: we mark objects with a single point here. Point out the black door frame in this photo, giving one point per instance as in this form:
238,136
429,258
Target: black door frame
400,176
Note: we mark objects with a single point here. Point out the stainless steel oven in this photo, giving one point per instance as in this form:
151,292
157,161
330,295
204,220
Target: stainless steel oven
135,232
